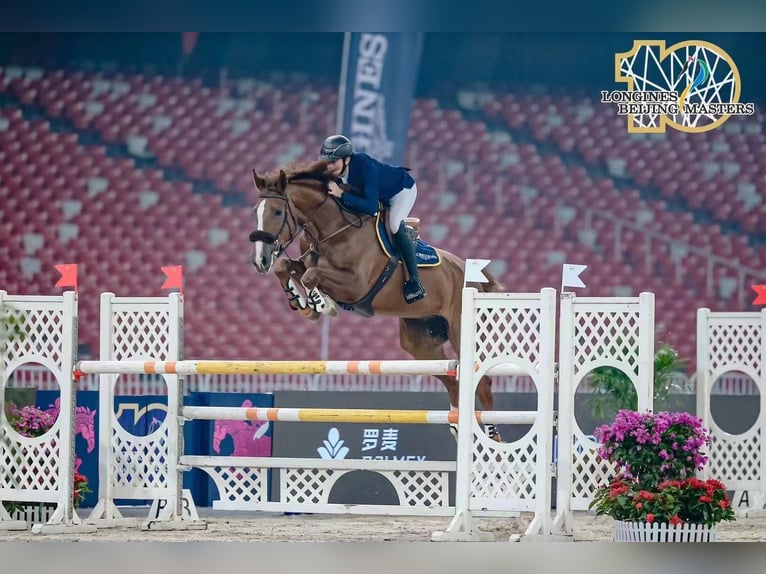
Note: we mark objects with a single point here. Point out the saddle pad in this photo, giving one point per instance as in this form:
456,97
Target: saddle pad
425,254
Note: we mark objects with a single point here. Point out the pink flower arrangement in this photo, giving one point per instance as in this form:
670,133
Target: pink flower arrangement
31,421
656,457
653,447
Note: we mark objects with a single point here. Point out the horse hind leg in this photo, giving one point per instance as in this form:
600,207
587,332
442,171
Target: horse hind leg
484,394
483,391
424,339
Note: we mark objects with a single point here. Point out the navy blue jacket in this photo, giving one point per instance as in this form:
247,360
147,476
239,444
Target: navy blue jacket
377,181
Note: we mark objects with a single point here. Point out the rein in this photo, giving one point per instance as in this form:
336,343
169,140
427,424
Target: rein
294,230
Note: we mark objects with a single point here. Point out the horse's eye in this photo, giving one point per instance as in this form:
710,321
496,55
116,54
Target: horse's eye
277,212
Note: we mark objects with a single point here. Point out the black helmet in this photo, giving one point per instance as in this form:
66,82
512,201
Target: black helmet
336,147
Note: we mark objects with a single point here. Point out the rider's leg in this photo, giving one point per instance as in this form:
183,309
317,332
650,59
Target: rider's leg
400,207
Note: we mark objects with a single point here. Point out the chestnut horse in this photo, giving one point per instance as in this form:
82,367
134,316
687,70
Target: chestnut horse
342,258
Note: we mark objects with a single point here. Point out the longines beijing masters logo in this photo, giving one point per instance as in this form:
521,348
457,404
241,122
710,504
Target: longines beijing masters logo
691,86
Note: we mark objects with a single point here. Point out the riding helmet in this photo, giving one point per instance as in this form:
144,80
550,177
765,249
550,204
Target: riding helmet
336,147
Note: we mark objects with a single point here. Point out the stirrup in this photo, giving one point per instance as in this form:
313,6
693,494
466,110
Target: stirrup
413,291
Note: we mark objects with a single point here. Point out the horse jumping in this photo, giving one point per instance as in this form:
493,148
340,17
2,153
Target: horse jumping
341,257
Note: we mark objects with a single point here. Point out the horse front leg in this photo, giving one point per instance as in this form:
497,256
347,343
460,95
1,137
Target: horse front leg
290,272
320,302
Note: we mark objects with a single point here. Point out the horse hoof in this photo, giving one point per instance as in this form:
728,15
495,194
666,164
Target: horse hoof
492,432
310,314
331,308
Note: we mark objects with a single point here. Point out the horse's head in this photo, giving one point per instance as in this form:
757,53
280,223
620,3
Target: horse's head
286,203
273,219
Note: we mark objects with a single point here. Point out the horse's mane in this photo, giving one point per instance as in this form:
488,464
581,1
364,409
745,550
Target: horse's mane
310,171
305,170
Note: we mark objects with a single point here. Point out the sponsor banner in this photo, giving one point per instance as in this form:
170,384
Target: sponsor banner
377,88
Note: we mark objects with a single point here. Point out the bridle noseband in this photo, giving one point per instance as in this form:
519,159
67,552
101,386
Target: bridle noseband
293,229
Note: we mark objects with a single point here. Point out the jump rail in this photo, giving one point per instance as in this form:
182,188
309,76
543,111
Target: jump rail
212,367
372,416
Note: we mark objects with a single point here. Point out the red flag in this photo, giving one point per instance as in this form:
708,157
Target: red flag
761,298
68,275
175,277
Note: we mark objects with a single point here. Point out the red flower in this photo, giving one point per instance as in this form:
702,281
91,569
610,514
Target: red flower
695,482
724,503
650,518
717,484
705,499
618,490
675,520
639,505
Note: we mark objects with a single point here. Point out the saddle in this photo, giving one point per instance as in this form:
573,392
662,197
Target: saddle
426,256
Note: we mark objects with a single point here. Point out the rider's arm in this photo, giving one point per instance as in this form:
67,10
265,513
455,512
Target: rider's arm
368,201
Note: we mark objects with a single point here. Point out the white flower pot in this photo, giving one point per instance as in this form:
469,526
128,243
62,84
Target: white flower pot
655,532
35,513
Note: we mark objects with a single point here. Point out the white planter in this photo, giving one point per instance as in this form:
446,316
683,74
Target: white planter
654,532
35,513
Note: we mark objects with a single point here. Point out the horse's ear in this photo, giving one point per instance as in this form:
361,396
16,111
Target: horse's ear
260,184
282,180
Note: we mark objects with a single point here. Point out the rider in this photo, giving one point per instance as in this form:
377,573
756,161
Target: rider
377,181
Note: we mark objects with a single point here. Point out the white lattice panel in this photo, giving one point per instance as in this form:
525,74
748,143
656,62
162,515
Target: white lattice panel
306,484
736,458
39,469
32,334
239,487
503,478
418,488
142,332
588,470
597,332
139,467
508,332
506,473
142,462
314,486
733,342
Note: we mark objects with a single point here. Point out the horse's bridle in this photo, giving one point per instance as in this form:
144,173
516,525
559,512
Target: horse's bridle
293,230
266,237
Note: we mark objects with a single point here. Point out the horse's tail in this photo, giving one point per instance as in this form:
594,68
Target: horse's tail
492,286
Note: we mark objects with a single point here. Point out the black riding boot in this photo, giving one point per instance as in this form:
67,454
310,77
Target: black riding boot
413,288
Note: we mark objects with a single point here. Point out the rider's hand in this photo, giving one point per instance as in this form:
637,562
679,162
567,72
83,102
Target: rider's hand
334,189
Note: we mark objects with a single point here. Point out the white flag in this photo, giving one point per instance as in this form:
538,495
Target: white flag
473,272
570,276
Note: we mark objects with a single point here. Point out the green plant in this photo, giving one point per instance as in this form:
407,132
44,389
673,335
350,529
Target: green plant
613,389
